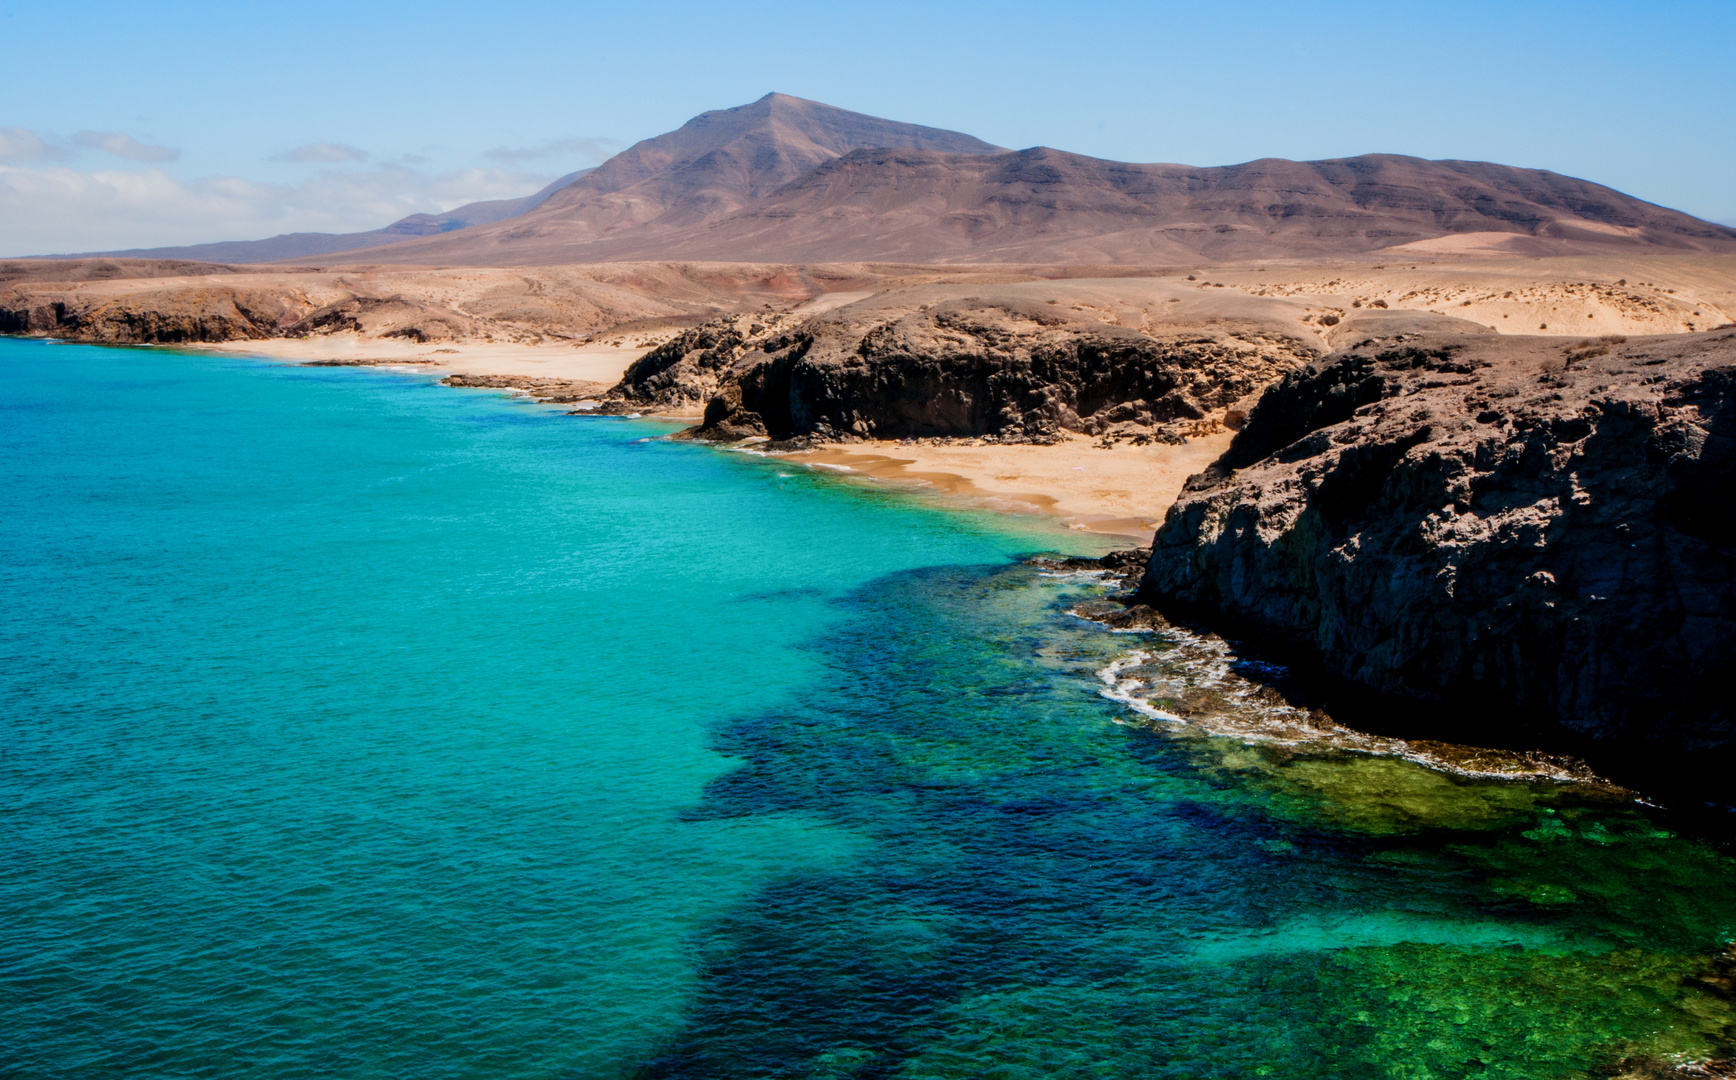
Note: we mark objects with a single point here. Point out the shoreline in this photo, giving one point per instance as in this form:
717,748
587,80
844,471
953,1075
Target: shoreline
594,362
1108,489
1094,486
1113,490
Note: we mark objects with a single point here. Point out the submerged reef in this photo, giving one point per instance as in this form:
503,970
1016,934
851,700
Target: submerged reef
1046,886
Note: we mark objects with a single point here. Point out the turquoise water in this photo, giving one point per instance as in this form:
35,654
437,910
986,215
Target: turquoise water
360,727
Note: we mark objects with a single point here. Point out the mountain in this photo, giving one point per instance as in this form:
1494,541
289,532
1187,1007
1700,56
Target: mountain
302,245
1044,205
785,179
788,180
717,164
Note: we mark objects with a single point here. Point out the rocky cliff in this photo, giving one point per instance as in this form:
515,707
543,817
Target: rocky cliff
1515,540
200,313
123,301
1008,369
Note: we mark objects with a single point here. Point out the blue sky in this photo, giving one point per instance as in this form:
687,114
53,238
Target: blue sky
130,124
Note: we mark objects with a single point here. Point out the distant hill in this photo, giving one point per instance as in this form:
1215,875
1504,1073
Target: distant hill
789,180
302,245
1044,205
715,165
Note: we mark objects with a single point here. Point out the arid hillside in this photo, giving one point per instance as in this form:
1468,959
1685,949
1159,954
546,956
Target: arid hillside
165,302
122,301
1046,205
787,180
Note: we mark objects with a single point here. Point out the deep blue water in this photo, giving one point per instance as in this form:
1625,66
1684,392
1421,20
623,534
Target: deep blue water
353,726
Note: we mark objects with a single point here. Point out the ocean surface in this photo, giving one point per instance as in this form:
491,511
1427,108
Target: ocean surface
353,726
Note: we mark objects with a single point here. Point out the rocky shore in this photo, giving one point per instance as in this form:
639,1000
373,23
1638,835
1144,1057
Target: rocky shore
1513,541
1002,369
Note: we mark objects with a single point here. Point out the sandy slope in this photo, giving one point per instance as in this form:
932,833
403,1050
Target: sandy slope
1571,296
1122,490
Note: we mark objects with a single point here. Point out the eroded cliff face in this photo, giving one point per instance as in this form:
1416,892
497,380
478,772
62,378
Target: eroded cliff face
127,301
1533,539
1005,369
221,313
203,313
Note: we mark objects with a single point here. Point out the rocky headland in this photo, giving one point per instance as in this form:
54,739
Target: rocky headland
1514,541
999,368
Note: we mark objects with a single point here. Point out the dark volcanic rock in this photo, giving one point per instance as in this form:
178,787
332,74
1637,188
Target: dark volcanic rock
1015,371
1531,539
1119,568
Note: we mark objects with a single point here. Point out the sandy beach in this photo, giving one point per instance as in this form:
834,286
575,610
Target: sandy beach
596,362
1123,490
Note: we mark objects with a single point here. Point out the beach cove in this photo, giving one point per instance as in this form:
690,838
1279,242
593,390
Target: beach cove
362,726
1116,488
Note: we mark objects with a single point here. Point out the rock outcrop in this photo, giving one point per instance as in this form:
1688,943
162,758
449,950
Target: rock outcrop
386,317
187,313
1004,369
1521,540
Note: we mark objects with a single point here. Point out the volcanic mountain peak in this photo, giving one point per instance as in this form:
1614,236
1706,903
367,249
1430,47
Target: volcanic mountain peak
719,160
782,179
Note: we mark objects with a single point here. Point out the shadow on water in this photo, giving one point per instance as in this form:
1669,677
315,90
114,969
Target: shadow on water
1053,886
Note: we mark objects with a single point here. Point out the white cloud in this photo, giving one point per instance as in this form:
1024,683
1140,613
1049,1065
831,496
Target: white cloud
55,209
323,153
590,149
22,144
124,146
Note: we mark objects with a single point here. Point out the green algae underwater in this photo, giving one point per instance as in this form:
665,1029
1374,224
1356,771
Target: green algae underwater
1075,892
359,727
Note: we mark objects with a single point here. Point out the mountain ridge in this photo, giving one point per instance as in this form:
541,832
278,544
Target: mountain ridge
775,180
783,179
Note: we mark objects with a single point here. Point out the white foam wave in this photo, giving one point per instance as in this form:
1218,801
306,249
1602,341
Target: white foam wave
1199,683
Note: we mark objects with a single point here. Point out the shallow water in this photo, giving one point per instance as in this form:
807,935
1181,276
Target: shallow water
355,726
